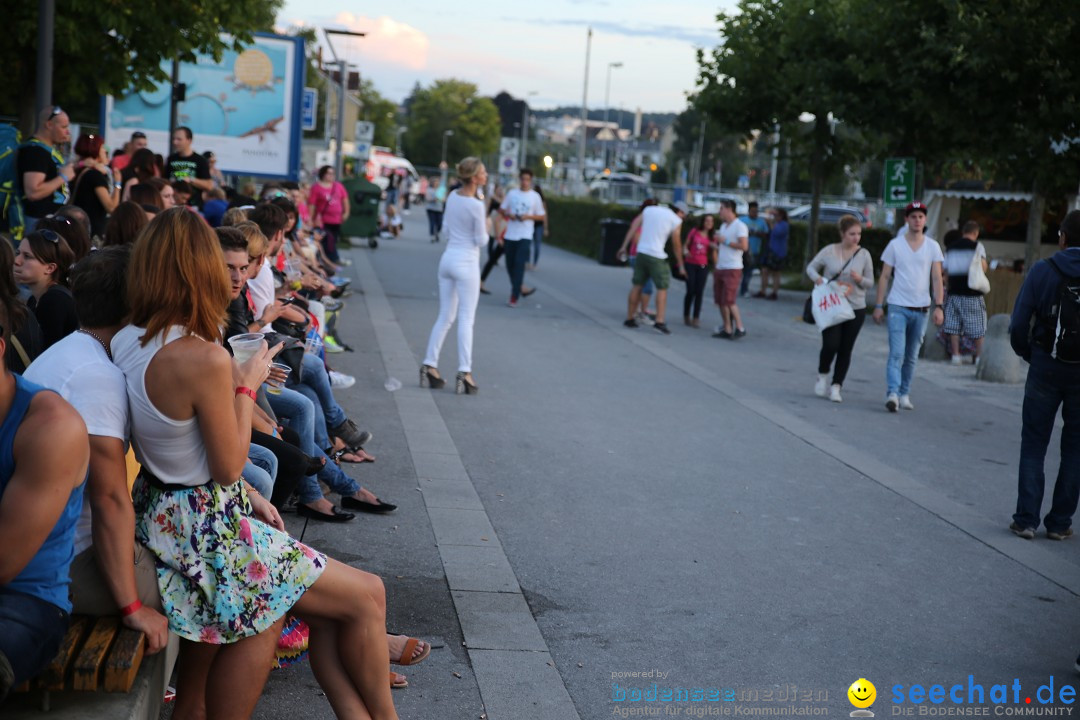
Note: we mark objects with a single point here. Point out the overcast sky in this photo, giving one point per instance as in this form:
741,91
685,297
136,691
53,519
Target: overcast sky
525,47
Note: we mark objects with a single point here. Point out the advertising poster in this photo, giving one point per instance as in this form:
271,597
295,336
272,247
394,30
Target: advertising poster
245,108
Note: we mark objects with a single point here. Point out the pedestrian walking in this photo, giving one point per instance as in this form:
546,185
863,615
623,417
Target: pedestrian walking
698,243
774,253
759,236
328,205
41,175
541,229
913,261
459,277
496,226
731,242
434,197
656,224
628,253
852,268
1052,347
965,308
521,207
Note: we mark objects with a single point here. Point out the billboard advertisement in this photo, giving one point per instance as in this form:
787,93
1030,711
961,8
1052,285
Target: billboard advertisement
245,108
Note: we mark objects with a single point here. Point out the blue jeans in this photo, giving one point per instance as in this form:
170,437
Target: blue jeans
261,470
302,415
906,329
517,254
434,221
538,237
315,385
30,632
1050,384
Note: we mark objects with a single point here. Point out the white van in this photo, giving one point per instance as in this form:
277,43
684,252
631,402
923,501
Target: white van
383,162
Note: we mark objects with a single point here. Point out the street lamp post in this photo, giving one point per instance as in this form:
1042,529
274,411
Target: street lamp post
442,164
607,94
343,82
525,128
584,115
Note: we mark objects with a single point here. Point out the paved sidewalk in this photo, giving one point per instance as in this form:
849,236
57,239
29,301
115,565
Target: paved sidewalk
616,501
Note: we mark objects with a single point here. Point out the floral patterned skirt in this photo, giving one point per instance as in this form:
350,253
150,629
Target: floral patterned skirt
223,575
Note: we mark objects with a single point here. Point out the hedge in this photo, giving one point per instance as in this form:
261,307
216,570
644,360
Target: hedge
575,226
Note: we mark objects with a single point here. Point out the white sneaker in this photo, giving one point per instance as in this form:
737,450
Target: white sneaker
340,381
956,359
892,402
821,385
834,394
644,319
905,402
331,345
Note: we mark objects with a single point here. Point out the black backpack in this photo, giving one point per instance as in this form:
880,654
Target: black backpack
1062,340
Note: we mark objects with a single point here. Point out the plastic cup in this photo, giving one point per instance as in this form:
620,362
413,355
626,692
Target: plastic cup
245,346
273,387
314,345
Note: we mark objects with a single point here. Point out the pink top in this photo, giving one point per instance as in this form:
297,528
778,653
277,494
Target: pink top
697,248
329,204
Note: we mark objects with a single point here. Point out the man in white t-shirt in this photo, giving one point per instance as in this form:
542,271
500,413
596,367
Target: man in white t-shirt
656,223
521,207
110,572
732,240
913,261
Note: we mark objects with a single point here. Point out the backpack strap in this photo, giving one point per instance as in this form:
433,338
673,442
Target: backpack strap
20,351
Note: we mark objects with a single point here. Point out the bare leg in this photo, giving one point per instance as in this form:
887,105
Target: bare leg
645,298
325,658
192,666
776,281
632,302
238,675
661,305
725,316
978,347
354,602
954,345
765,274
736,319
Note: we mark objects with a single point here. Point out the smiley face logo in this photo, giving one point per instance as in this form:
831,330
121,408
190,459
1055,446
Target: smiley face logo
862,693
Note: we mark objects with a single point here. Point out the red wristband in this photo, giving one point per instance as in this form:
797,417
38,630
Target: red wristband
131,609
246,391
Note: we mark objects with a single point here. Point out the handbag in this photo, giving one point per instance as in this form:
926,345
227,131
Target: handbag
976,277
808,306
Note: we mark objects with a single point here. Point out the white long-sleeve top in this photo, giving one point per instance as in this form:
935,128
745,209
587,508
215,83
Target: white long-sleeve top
464,223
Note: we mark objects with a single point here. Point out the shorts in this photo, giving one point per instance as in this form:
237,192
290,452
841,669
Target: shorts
647,267
726,286
30,632
965,315
770,260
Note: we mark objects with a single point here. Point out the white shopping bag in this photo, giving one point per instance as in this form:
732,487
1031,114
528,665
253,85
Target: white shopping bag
830,306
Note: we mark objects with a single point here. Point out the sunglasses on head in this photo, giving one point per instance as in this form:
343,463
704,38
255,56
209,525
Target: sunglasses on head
60,218
49,235
57,110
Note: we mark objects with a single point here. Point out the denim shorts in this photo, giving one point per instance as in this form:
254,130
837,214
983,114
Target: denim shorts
30,632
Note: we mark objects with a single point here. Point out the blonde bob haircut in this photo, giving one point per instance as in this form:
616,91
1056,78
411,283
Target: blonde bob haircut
177,276
467,168
257,244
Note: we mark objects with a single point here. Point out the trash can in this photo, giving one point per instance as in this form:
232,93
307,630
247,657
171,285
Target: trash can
363,220
612,233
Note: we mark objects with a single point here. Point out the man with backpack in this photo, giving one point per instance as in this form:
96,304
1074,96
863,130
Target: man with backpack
41,175
1051,296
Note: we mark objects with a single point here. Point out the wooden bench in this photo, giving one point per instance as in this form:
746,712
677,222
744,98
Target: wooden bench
101,668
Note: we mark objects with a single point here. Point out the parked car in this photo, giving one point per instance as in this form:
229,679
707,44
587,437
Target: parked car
710,203
827,213
622,188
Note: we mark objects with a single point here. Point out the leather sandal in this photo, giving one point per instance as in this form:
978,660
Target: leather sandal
395,684
407,658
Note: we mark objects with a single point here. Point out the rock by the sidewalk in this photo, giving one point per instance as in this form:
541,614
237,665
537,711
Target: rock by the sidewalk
932,348
998,363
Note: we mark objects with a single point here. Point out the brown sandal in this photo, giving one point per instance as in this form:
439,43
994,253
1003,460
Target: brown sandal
406,657
395,684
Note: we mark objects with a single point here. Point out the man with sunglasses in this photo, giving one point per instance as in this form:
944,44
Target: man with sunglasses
42,176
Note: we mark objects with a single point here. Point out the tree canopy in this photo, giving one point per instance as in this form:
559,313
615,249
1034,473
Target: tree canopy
450,105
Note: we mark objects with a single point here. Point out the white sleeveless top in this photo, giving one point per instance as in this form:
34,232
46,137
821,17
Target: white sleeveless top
172,450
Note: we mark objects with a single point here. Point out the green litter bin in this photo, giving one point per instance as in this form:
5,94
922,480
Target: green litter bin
363,220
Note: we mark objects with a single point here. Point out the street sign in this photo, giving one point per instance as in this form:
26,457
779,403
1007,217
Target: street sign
365,131
899,182
363,150
509,148
308,106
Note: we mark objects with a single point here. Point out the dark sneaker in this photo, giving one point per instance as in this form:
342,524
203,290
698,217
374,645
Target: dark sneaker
892,402
738,334
1059,534
1026,533
352,435
661,328
723,334
631,323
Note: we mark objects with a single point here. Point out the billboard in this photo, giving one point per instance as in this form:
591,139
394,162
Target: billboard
246,108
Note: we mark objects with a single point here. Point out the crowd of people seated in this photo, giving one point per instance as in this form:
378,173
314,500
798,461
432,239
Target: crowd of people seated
204,350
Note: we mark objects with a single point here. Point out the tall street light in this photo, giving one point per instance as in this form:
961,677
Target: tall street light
584,114
343,82
442,165
525,128
607,93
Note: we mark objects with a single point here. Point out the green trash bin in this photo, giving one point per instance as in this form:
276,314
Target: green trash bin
363,220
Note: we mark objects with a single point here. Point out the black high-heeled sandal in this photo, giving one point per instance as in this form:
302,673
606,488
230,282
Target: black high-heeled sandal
464,387
428,380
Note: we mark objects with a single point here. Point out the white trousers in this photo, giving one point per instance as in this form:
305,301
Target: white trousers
459,293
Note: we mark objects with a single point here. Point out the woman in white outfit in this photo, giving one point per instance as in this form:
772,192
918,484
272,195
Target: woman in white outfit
459,276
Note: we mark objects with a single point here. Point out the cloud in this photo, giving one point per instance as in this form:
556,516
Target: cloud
655,32
388,41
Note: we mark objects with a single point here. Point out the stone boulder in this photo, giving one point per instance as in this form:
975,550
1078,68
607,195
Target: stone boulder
998,362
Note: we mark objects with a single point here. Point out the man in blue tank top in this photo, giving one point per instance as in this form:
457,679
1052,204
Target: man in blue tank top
44,454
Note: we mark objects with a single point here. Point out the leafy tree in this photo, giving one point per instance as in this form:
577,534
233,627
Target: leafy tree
381,111
111,47
450,105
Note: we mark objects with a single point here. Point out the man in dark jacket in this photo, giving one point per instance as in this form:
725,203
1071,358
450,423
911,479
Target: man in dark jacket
1050,383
